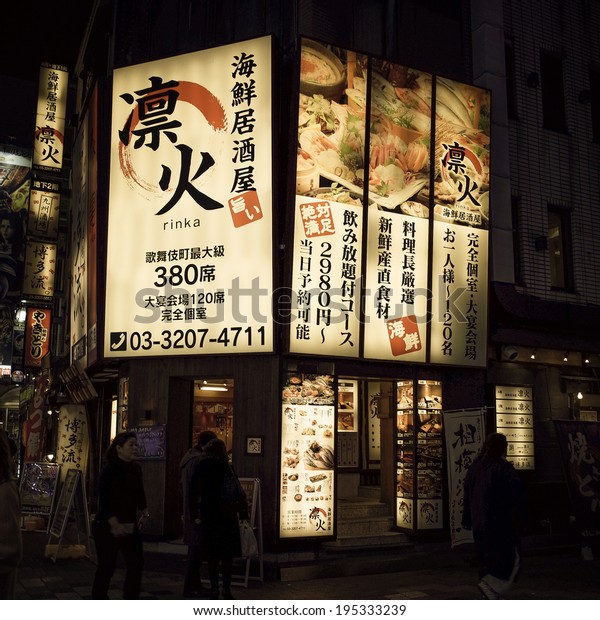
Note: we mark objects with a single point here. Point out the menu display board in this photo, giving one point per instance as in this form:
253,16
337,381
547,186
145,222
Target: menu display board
151,441
419,454
514,418
308,432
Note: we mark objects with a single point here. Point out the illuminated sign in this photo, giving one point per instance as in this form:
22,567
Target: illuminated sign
44,207
190,205
307,491
326,276
37,336
426,252
514,418
49,142
40,269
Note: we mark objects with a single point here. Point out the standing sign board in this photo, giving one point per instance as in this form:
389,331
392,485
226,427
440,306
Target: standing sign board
72,505
251,487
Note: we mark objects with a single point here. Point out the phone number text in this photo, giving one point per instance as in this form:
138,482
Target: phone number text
196,338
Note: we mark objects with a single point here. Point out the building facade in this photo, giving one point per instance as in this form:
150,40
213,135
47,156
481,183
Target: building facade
316,427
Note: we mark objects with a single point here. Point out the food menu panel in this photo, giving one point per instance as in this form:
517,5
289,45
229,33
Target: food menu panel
419,454
307,483
405,451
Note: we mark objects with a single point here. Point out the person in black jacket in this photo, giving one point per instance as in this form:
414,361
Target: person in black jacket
192,533
494,508
116,528
219,514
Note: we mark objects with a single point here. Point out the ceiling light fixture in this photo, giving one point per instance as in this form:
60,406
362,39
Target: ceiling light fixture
587,361
532,355
566,357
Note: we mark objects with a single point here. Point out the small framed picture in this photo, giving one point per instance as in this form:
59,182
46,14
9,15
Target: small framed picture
254,445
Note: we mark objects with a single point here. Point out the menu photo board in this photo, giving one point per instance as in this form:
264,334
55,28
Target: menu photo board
515,419
308,460
191,158
425,254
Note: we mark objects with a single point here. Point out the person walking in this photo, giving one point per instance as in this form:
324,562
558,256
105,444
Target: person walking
192,533
494,508
11,543
116,528
218,502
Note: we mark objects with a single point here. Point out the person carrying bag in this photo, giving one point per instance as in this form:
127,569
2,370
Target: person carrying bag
222,504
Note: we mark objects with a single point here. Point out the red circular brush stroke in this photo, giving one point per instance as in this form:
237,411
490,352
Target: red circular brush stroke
56,133
190,92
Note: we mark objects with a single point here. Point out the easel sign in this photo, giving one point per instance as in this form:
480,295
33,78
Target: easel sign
251,488
71,503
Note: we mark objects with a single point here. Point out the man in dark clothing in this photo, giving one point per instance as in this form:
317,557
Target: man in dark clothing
493,506
192,535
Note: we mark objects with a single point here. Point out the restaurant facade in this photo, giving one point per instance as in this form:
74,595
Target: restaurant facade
287,227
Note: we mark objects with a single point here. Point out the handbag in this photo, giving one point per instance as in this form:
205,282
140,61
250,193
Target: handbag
248,540
232,497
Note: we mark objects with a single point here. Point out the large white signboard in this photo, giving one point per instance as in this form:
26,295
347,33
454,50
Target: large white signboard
189,229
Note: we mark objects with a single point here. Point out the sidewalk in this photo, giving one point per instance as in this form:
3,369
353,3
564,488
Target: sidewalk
433,572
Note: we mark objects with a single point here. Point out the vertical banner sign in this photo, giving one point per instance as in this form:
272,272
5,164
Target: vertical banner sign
15,185
579,443
44,207
79,250
326,276
50,117
398,249
190,211
40,269
459,285
465,434
92,231
37,336
73,439
329,217
34,427
306,505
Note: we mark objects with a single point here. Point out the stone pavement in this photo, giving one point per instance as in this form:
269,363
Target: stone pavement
433,572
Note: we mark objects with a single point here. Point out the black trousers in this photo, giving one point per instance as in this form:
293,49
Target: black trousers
107,550
192,581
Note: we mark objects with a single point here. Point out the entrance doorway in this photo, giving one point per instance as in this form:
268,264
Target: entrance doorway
213,410
359,453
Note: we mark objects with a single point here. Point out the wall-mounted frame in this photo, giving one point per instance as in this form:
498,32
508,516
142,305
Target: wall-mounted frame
254,444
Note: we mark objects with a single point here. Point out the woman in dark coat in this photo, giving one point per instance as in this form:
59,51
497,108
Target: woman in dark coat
494,506
117,526
219,517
